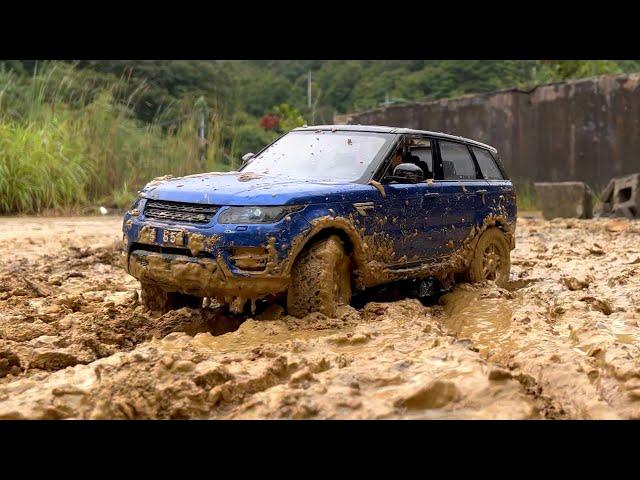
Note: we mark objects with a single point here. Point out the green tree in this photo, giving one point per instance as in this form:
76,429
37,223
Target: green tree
290,117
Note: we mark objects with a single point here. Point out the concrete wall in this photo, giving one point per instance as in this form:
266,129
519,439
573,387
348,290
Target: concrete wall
585,130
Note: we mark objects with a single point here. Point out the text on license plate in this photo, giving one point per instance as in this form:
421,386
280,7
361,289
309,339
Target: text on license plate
174,238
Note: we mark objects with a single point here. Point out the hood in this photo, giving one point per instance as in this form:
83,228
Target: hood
236,188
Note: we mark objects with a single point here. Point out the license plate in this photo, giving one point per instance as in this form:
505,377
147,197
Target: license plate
174,238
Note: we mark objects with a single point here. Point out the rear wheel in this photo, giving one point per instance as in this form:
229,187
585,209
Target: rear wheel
491,258
155,298
320,279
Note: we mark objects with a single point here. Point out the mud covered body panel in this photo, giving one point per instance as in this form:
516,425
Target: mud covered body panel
404,234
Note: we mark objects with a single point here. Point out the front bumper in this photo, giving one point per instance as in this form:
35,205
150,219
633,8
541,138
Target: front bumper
221,261
203,277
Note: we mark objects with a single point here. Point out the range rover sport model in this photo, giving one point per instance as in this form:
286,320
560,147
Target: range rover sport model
320,213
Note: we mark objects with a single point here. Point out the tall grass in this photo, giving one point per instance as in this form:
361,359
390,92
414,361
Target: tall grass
67,141
527,198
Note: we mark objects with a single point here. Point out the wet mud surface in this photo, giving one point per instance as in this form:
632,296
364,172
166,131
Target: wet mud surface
562,341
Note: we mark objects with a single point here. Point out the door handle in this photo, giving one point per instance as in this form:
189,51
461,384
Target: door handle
431,195
481,192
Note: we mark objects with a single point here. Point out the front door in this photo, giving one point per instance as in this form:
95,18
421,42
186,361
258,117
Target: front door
411,213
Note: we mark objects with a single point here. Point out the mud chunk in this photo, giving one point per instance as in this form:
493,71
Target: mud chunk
304,410
596,250
38,288
74,302
577,283
435,394
52,360
302,378
603,306
19,329
209,374
498,374
374,310
9,363
272,312
183,366
349,339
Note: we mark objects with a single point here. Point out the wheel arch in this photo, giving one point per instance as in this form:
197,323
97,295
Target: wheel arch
501,222
325,227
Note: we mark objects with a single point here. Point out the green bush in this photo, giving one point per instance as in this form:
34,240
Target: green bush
41,167
65,143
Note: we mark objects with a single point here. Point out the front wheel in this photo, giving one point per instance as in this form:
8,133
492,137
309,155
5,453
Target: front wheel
320,279
491,258
155,298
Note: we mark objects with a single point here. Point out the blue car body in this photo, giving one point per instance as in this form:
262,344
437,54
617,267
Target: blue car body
174,236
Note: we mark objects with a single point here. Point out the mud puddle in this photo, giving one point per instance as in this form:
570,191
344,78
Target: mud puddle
477,314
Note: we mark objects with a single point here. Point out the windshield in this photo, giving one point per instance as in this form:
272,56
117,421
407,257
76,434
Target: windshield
322,155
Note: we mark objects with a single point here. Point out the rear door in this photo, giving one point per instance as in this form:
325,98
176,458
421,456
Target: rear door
463,190
499,188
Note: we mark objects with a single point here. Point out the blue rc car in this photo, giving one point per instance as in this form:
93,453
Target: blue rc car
320,213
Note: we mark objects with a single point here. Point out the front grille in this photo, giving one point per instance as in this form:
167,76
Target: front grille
180,212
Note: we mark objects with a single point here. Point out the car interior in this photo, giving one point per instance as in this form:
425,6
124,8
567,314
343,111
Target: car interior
418,152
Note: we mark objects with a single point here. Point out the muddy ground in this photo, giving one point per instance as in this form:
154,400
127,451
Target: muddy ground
563,341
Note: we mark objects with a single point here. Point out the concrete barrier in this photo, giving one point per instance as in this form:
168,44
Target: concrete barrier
565,199
621,197
581,130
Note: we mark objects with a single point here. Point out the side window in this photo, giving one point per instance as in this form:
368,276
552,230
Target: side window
412,149
457,163
422,156
487,164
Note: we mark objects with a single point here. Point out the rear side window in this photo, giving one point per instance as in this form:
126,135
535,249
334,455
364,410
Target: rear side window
457,163
487,164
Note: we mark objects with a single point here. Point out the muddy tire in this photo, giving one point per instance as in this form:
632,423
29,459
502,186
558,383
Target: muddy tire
320,279
155,298
491,258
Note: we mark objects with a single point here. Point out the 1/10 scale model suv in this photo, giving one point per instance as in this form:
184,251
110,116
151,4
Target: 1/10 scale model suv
320,213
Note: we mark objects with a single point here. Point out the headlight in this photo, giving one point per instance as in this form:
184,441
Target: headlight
256,214
135,204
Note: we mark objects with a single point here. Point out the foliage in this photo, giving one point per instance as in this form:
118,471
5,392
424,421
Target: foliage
289,116
57,152
77,133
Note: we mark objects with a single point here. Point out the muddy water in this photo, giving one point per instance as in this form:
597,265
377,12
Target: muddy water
480,315
562,341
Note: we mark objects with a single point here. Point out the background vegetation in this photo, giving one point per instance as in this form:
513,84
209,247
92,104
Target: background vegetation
77,135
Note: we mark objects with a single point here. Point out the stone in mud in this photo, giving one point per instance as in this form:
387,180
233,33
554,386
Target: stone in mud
565,199
436,394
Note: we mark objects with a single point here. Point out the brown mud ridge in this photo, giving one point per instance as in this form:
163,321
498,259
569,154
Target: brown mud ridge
563,341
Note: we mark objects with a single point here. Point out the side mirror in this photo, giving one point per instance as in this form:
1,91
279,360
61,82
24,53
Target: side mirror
407,173
246,158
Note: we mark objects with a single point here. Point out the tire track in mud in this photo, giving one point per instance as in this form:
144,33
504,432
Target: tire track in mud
572,326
